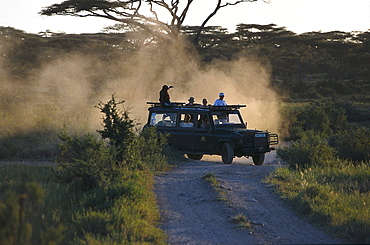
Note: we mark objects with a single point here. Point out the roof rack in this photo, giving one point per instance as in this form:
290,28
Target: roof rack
183,104
174,104
228,106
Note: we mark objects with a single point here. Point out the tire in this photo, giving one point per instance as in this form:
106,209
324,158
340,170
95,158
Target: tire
258,159
195,156
227,153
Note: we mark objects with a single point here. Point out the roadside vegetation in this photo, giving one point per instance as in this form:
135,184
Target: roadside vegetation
328,170
99,192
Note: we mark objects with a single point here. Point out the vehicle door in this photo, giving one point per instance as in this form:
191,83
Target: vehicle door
166,122
183,137
204,141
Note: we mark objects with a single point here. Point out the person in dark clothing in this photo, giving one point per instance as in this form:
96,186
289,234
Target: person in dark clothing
164,96
204,102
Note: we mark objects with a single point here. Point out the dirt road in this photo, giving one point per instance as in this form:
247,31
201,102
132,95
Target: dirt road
191,213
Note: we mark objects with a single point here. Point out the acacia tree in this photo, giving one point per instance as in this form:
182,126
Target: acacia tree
149,15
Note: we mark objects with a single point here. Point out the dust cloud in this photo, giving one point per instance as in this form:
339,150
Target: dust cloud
66,90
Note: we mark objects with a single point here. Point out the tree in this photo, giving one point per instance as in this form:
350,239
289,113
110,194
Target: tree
296,52
149,15
214,42
254,35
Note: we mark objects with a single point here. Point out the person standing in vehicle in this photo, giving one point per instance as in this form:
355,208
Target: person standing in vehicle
164,96
191,101
204,102
220,101
188,117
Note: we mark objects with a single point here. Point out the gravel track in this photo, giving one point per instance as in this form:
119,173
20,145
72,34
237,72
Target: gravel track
192,213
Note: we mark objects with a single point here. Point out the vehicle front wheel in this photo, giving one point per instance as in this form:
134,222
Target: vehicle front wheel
227,153
195,156
258,159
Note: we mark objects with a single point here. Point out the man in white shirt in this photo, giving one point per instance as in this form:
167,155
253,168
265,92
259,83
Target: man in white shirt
220,101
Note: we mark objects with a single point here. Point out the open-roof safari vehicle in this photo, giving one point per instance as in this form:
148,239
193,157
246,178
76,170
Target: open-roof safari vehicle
212,130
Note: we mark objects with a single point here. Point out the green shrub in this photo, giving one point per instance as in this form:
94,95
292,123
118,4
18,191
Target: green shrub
323,118
311,150
118,127
353,144
315,118
85,161
113,178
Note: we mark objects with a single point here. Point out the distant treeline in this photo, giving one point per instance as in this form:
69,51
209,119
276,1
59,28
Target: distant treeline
311,65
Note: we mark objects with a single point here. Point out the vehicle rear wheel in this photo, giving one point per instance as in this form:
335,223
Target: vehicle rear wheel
227,153
258,159
195,156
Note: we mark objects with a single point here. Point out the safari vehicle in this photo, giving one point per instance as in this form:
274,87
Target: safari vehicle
211,130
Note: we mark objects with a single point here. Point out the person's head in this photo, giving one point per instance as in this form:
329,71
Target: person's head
191,100
204,102
165,87
221,95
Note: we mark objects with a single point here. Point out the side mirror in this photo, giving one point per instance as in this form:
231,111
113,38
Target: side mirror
246,125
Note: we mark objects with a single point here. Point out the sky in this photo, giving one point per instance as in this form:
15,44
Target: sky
298,16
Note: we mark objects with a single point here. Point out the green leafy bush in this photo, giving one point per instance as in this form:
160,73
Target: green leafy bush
353,144
118,127
90,161
113,175
323,118
85,161
311,150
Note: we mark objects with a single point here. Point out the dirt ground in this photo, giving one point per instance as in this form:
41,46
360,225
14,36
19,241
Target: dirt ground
191,213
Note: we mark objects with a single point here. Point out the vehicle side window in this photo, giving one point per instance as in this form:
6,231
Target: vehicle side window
220,118
203,121
186,120
163,119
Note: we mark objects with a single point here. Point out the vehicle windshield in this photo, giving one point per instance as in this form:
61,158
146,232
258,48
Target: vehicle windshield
227,118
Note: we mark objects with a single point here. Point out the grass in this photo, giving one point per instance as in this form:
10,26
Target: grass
123,213
335,197
241,221
30,131
211,178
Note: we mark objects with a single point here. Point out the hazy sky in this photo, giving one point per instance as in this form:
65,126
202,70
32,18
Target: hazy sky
296,15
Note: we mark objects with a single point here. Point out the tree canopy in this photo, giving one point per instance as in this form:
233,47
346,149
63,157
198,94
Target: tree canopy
160,18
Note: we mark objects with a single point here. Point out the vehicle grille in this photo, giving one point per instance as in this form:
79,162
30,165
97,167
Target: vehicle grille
260,141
